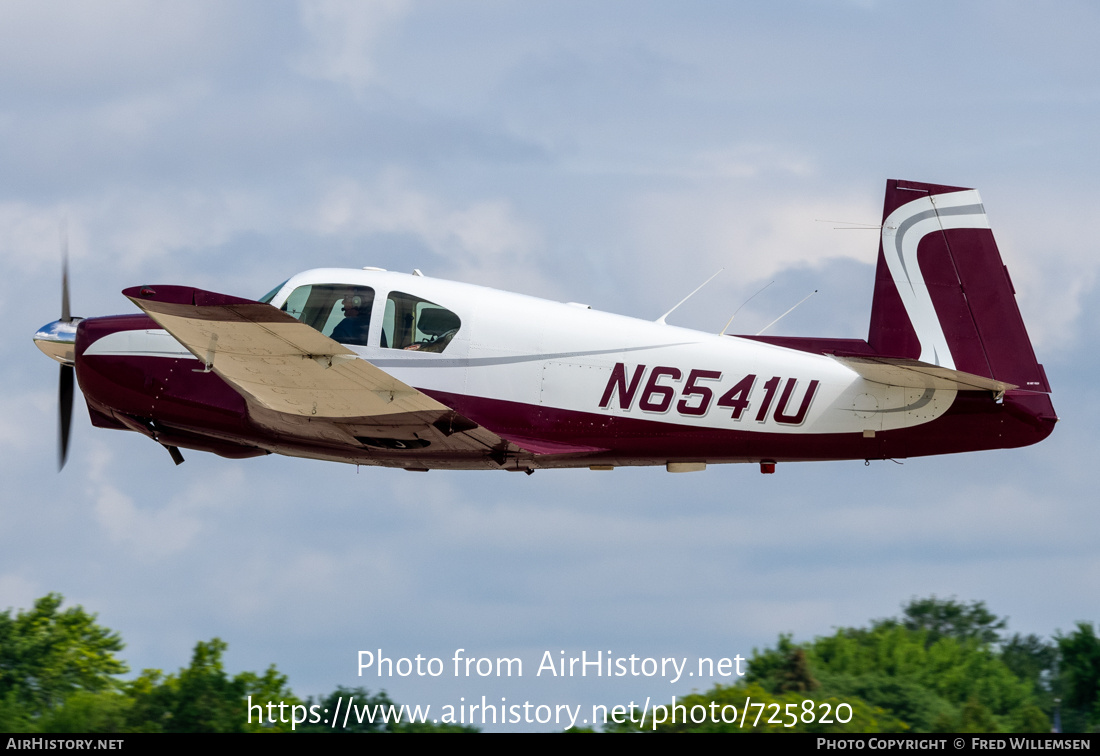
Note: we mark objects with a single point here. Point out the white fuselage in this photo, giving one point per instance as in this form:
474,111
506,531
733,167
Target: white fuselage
533,351
568,357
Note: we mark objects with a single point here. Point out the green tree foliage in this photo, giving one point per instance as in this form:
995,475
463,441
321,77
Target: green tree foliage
1031,658
364,700
86,711
46,654
942,654
14,716
765,711
1035,661
907,699
203,698
936,668
954,670
947,618
58,673
784,669
343,696
1080,675
206,700
432,727
942,666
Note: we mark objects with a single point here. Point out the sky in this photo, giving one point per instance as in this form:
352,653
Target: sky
614,153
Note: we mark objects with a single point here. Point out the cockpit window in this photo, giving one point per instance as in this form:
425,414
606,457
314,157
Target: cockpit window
417,324
266,298
339,311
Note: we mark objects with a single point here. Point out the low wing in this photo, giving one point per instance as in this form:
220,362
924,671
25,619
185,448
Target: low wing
286,367
899,371
275,360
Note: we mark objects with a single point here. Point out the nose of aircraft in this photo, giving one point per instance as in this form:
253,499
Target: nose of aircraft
57,340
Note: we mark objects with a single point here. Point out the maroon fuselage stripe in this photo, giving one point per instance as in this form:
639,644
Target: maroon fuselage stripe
199,410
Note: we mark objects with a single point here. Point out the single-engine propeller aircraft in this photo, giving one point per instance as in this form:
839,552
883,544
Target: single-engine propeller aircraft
374,367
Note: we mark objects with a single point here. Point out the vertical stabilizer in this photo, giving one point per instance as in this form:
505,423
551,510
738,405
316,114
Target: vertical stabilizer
942,293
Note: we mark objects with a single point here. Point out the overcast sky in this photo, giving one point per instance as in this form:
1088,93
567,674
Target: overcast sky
614,153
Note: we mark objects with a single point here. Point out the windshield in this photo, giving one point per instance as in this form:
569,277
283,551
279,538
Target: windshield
266,298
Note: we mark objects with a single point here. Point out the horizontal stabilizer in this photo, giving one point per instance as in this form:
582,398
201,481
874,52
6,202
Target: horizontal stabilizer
908,373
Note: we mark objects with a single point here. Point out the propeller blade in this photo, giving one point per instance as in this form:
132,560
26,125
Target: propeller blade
64,414
65,315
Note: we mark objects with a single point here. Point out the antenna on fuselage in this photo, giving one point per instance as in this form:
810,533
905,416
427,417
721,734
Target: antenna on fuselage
734,315
851,225
788,312
661,319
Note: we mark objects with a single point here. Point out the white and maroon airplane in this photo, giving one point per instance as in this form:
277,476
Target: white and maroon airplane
379,368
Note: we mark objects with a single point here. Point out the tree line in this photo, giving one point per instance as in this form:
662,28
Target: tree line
941,666
59,672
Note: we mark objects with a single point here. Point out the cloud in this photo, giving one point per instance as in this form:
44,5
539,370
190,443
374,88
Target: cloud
128,226
342,34
753,236
28,415
59,45
477,240
134,225
30,236
159,526
757,236
723,163
148,534
1050,254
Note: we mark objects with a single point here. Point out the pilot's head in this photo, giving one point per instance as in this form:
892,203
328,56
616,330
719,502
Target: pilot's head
353,306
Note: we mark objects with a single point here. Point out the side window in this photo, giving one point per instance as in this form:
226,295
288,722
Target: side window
339,311
417,324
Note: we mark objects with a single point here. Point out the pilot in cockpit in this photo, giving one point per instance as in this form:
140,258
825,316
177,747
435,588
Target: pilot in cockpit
353,328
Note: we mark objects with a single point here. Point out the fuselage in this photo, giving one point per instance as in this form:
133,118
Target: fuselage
568,385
